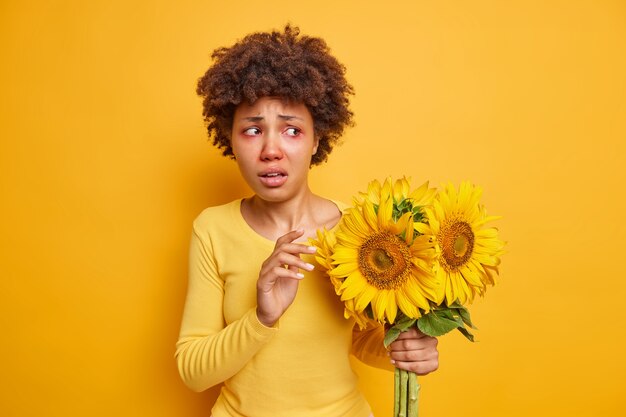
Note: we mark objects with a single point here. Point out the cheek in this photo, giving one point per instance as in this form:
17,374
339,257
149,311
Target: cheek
302,157
239,148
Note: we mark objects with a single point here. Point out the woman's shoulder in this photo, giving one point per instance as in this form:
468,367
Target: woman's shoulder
340,205
329,212
217,214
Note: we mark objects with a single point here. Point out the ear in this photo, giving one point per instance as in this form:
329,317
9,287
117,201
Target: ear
315,145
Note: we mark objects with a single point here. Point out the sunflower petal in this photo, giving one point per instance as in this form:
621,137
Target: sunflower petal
379,304
370,215
385,210
344,269
365,298
391,309
406,305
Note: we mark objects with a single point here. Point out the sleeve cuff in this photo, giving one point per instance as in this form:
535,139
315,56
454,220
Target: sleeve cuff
258,328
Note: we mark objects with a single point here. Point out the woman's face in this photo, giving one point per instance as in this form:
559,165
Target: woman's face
273,141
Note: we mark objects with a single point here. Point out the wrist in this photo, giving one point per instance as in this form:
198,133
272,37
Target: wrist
264,320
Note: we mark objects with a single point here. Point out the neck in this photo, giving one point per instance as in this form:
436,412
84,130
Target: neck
283,215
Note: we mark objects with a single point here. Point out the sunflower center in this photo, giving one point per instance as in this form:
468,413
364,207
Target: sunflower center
381,259
457,243
384,260
460,245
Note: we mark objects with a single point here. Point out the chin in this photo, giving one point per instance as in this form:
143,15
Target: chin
274,195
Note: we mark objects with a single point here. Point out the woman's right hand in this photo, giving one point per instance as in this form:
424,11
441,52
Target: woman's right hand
279,277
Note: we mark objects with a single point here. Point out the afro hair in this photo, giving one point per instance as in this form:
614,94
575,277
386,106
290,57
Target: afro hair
279,64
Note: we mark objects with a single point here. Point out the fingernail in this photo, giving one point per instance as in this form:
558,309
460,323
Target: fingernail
312,249
392,362
300,275
308,267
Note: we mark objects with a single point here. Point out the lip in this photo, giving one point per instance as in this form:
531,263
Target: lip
273,177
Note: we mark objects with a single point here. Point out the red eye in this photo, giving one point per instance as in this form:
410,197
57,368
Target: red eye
252,131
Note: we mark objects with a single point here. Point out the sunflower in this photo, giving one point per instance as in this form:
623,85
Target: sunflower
381,259
468,254
325,243
400,190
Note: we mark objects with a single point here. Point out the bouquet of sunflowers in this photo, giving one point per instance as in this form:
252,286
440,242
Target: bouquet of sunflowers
411,258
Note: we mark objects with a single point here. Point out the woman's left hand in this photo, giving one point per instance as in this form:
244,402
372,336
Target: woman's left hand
414,351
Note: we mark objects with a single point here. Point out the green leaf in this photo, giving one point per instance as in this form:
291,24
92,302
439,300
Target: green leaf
463,312
450,314
399,209
391,335
405,323
435,325
402,325
418,214
467,334
465,315
444,319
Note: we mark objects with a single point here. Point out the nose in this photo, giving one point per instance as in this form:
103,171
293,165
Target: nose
272,149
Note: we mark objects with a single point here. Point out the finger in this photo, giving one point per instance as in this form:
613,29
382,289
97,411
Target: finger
420,343
417,355
412,333
267,284
287,273
289,237
420,368
287,260
295,248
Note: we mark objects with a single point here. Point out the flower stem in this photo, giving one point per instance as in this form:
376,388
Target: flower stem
413,397
404,375
396,392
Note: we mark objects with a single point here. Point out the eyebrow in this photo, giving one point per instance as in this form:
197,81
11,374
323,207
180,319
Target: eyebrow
286,117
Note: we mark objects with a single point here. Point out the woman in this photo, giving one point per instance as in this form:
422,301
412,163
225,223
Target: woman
259,317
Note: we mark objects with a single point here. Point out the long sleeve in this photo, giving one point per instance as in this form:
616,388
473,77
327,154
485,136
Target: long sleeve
368,347
208,351
299,367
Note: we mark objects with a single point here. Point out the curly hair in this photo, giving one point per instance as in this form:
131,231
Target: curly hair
286,65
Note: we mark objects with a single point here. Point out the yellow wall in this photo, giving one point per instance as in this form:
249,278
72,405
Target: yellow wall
104,164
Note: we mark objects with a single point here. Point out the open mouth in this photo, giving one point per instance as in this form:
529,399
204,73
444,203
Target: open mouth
273,177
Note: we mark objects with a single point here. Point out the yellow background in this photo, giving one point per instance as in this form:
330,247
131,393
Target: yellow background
104,164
